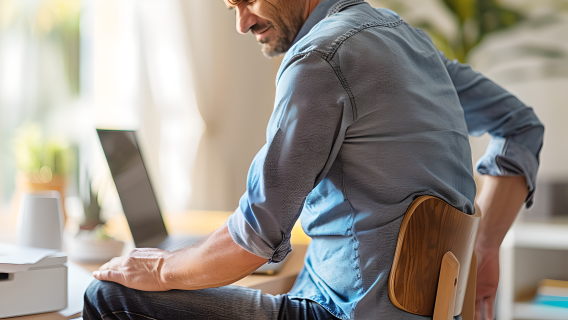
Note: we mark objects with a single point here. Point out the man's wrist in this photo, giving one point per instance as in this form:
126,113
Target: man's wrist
488,239
165,271
487,249
488,243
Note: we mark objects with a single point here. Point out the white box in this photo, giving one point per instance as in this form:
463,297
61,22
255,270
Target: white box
34,282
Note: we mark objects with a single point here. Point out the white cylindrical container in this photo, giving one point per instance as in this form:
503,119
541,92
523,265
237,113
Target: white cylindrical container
40,220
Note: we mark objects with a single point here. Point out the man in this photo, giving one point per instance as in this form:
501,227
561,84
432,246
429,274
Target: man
368,116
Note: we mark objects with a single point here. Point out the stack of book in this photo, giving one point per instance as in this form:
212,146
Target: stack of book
552,293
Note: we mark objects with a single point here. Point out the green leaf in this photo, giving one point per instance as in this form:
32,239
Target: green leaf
463,9
493,17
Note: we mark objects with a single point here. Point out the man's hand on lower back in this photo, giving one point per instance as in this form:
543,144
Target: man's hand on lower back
487,280
140,269
500,200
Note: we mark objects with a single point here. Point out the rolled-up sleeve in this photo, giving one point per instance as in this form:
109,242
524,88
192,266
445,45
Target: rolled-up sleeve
301,134
517,134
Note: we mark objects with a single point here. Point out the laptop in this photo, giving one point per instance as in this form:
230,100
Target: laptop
138,198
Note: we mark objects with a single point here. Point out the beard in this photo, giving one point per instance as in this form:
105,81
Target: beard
286,20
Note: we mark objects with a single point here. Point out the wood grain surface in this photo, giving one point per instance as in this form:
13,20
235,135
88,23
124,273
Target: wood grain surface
468,310
430,228
447,285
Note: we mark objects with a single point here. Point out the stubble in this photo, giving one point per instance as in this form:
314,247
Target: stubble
286,19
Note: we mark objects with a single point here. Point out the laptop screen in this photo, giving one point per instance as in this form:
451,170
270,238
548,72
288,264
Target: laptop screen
134,188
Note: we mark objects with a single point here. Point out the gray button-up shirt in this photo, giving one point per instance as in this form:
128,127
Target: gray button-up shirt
368,117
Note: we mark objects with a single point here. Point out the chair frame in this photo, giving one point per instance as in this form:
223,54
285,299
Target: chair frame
434,268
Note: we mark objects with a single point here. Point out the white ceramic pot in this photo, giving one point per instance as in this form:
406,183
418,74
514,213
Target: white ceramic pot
40,220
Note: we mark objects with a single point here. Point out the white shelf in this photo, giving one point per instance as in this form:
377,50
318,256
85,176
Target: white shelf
522,269
527,310
540,235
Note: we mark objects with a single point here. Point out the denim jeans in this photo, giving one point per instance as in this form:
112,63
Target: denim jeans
108,300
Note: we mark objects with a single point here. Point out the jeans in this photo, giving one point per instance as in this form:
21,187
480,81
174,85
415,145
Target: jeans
109,300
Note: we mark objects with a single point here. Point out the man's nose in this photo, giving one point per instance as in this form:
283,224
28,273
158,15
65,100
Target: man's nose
245,20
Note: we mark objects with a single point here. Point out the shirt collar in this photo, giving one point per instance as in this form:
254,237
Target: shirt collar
320,12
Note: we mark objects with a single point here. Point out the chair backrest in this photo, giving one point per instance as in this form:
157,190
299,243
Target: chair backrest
430,229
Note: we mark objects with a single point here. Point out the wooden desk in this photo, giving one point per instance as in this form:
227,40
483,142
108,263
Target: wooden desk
196,222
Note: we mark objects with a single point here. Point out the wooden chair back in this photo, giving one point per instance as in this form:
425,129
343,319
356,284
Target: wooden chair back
431,267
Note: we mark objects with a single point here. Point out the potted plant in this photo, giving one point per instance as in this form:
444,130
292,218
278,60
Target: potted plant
91,243
473,20
42,164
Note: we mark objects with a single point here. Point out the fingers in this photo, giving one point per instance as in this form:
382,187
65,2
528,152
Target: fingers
489,304
137,270
110,275
114,263
484,308
108,271
478,309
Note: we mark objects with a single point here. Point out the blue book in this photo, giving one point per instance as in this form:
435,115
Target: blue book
552,293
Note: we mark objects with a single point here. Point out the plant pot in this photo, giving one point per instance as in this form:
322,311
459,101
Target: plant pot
83,250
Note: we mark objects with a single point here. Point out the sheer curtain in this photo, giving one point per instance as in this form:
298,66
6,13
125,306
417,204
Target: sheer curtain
143,81
170,79
199,93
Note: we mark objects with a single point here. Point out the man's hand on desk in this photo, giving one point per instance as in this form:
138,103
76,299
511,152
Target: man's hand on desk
141,269
215,262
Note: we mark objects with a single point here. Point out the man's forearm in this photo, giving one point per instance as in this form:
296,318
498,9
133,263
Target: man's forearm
216,262
500,200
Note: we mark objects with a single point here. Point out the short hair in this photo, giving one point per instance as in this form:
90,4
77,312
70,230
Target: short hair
237,2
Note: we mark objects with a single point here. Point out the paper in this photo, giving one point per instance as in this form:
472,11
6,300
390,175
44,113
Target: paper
78,280
18,258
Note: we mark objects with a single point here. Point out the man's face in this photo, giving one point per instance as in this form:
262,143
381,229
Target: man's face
275,23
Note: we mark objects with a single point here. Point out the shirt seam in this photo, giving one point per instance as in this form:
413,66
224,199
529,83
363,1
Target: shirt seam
342,5
328,53
357,255
336,44
351,230
339,74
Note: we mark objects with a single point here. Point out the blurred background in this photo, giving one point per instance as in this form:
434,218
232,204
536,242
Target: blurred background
201,96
